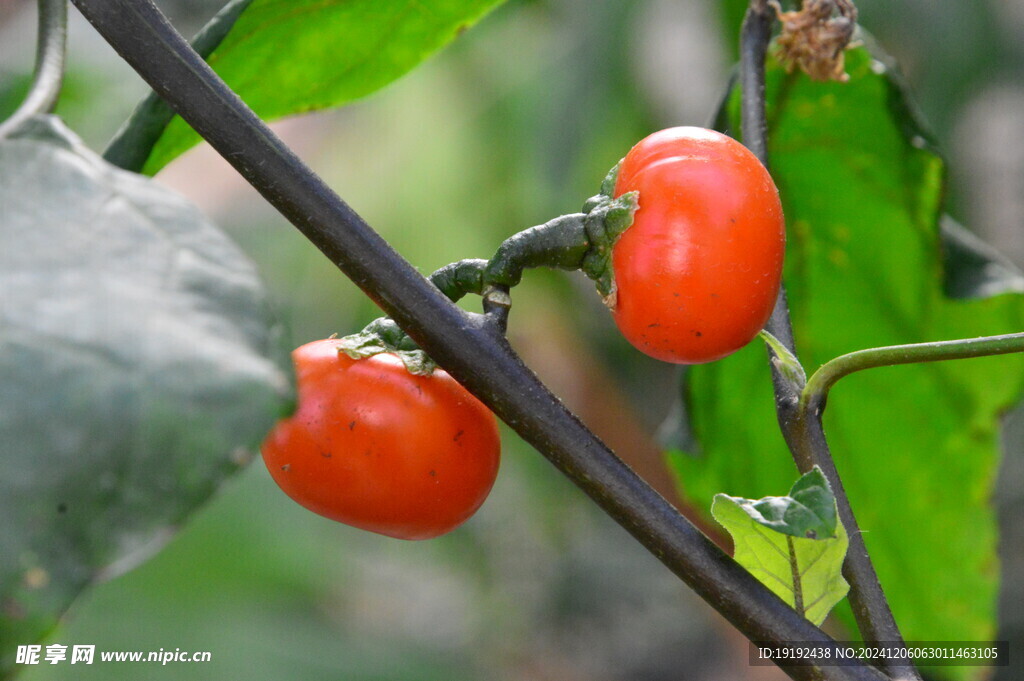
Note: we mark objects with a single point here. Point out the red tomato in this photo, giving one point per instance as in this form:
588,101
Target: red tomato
698,272
376,447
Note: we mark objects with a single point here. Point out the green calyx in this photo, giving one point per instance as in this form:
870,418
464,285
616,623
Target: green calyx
383,335
607,188
606,220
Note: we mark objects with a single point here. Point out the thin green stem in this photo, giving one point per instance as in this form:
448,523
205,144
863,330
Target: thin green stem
815,392
49,69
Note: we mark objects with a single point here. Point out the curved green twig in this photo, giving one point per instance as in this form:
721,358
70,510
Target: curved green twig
816,391
49,70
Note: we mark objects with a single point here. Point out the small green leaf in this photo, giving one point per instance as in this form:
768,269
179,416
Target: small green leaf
809,510
795,545
786,362
285,57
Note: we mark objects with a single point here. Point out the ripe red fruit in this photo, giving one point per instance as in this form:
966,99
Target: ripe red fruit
698,272
374,446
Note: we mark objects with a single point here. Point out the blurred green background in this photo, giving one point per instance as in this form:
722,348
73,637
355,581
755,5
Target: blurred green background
514,123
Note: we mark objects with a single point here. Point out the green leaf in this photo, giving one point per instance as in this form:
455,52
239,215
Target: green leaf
134,142
135,351
862,190
794,545
785,361
285,57
809,510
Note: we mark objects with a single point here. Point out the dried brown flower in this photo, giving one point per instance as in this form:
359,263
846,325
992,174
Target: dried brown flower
815,37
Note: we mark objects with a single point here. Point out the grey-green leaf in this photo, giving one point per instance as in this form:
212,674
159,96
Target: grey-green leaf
135,370
285,57
794,544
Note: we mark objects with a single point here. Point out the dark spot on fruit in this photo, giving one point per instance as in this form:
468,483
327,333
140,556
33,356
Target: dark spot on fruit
655,325
732,221
287,467
458,435
351,425
62,507
698,334
324,454
433,474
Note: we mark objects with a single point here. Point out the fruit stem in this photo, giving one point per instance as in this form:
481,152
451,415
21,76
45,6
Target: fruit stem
559,243
459,278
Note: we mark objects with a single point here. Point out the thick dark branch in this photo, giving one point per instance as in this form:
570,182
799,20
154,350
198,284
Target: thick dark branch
805,437
468,346
755,35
